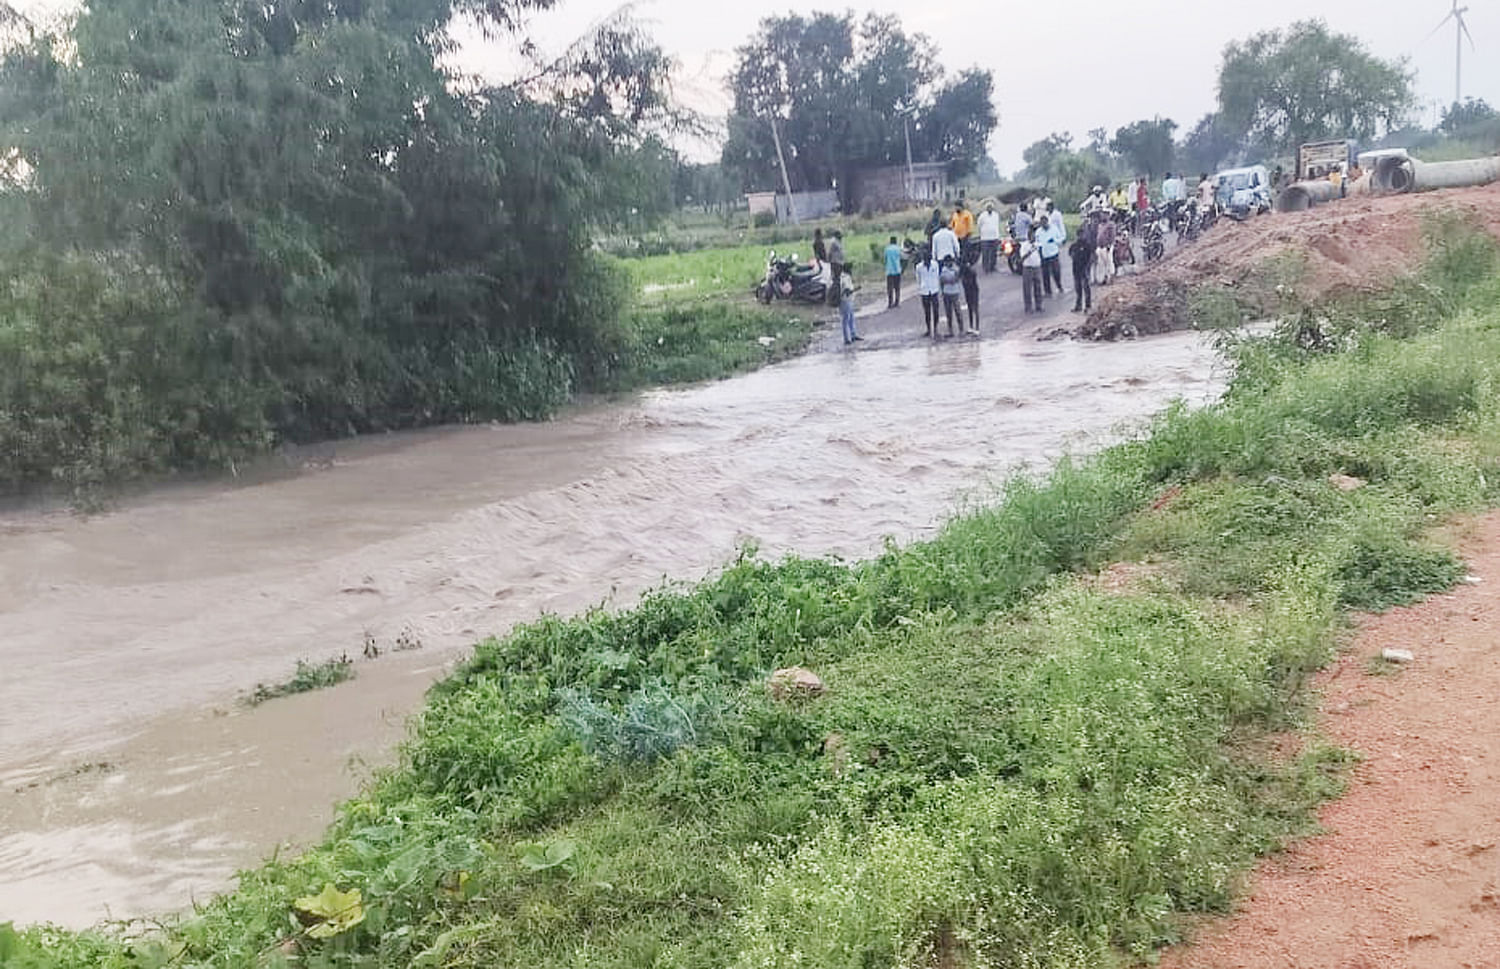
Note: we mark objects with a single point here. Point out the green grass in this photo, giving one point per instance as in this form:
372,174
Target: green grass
306,678
733,271
679,343
1012,765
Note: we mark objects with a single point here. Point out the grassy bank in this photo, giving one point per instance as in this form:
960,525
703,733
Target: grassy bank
1018,761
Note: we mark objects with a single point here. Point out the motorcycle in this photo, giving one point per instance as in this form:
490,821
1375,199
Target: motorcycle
785,279
1010,246
1154,235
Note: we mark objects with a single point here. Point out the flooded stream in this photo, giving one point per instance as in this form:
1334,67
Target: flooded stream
132,782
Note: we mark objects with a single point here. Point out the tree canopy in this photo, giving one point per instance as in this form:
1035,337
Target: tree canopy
1146,145
1306,83
838,94
284,219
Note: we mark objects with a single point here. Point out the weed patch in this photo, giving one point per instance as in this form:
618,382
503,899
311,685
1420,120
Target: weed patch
306,678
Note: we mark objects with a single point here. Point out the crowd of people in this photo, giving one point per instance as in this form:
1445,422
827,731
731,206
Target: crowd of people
960,245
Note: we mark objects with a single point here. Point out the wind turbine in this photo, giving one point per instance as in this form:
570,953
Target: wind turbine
1460,31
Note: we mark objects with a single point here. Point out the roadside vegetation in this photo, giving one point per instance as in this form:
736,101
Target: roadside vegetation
192,279
1027,753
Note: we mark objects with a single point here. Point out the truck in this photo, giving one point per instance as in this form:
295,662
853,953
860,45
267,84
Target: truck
1317,158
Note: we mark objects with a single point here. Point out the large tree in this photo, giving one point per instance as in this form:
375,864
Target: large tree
313,228
1208,145
1284,88
842,96
1146,145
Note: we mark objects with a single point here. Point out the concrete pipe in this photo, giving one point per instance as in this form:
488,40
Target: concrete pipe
1396,175
1304,195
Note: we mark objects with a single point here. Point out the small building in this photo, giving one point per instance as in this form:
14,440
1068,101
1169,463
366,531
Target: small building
894,186
800,207
761,202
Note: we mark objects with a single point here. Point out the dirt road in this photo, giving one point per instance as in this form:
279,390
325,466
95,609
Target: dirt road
1408,874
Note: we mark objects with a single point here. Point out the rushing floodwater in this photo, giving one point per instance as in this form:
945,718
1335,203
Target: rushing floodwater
130,780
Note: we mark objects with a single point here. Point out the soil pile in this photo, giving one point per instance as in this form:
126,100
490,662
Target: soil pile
1340,247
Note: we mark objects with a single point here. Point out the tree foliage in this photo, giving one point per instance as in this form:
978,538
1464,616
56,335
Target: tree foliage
233,222
1284,88
838,93
1208,146
1467,114
1146,145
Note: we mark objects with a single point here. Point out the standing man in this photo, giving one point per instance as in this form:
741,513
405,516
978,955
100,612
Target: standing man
1050,244
836,261
1020,226
1104,251
962,222
1031,272
1142,203
846,307
892,274
989,236
1171,196
944,244
929,285
1205,192
1081,255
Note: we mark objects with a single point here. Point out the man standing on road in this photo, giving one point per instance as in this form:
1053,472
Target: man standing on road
1171,196
836,262
1020,226
929,285
1104,251
989,236
962,222
944,244
1142,203
1031,272
1081,255
846,308
1050,244
892,275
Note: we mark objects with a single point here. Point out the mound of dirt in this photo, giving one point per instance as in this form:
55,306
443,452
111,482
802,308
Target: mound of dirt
1339,247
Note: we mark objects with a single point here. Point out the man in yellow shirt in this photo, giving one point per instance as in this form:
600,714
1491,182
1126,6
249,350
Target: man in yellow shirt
962,222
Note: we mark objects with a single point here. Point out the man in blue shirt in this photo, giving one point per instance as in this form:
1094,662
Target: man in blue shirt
892,275
1050,243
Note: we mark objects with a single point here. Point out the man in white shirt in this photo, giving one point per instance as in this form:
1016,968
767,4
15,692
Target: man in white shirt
944,244
989,236
1095,202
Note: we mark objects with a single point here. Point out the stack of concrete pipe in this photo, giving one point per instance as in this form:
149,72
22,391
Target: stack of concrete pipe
1394,175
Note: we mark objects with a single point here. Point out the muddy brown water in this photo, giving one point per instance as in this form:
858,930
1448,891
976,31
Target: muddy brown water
131,781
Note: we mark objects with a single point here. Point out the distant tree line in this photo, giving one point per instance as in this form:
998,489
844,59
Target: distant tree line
1277,90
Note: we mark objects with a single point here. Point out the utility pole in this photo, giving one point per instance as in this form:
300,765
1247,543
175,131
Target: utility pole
1458,61
786,183
906,125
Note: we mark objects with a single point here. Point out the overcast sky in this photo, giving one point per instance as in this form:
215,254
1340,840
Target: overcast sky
1046,56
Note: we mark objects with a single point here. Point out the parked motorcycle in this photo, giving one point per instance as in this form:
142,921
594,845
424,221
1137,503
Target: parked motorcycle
1010,246
1154,235
785,279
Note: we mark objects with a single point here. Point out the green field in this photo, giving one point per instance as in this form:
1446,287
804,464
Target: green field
1015,762
732,272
